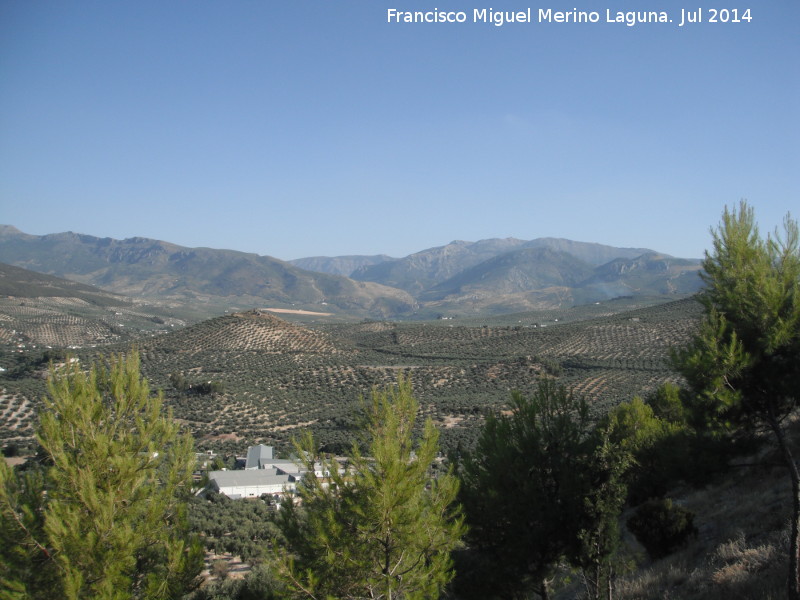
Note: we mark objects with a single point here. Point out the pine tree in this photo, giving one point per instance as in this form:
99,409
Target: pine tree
24,563
523,492
605,490
743,365
113,525
384,528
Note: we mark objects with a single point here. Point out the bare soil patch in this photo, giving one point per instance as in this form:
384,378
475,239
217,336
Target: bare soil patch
298,312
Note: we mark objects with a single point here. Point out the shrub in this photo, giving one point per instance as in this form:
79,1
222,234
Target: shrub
220,569
662,526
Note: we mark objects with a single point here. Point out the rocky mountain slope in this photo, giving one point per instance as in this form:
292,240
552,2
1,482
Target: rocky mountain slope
339,265
155,269
504,275
461,278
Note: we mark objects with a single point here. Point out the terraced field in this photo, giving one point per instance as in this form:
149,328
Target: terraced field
252,377
253,330
17,414
73,322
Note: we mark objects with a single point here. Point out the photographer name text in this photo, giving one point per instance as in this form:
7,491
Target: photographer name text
498,18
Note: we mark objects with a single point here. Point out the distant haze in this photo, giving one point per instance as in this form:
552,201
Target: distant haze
485,277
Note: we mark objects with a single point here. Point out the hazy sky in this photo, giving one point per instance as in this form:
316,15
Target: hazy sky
313,127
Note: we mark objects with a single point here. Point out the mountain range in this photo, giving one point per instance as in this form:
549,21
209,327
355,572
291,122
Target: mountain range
488,276
143,267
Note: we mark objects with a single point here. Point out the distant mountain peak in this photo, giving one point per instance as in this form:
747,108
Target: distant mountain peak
10,230
145,267
497,272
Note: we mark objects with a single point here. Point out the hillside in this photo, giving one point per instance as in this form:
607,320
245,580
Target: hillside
22,283
591,253
541,278
339,265
252,330
42,310
422,270
426,269
518,271
271,377
656,273
155,269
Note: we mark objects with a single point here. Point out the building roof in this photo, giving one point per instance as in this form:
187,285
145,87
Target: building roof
285,465
248,478
257,455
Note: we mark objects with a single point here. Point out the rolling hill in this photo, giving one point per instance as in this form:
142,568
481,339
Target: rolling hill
253,330
43,310
271,377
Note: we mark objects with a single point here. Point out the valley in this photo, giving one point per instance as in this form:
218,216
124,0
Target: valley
252,377
249,348
241,370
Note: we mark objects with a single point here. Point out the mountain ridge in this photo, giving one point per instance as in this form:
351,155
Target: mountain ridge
493,275
145,267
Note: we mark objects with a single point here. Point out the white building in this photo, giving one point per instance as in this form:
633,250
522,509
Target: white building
251,483
263,474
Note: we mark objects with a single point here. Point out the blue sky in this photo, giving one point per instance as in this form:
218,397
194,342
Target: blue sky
313,127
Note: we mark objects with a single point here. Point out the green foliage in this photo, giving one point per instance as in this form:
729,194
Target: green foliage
745,361
743,365
635,425
662,526
113,522
552,367
226,525
384,528
259,584
205,388
538,488
666,449
606,473
25,565
178,382
660,448
668,405
219,569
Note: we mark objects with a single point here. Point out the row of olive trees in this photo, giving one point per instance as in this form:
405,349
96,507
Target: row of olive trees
543,486
105,515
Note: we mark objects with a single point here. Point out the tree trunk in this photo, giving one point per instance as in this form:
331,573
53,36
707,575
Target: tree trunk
598,579
544,592
793,583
